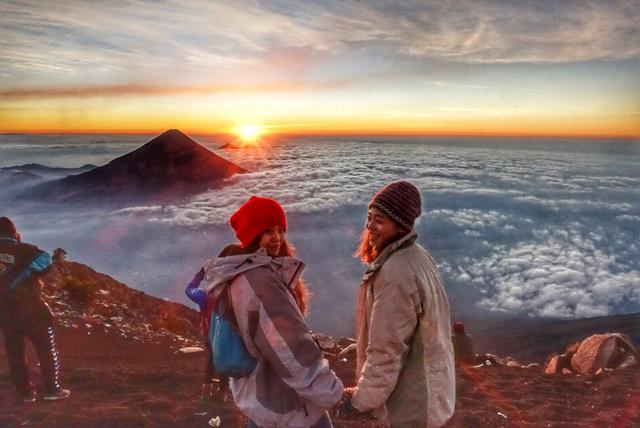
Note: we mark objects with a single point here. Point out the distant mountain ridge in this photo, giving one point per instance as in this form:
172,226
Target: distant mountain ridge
48,171
229,146
170,166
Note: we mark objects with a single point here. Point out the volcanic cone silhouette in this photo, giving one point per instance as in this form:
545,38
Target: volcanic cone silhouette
169,166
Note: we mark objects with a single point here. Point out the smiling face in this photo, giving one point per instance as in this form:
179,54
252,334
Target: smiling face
272,239
382,230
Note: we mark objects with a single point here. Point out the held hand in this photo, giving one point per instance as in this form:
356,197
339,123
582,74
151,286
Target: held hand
344,408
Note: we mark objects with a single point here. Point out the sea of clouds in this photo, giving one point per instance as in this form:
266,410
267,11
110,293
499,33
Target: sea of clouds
526,228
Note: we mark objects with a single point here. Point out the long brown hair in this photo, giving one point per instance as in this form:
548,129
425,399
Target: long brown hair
300,291
366,252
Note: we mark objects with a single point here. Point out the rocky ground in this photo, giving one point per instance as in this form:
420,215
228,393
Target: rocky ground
121,382
121,359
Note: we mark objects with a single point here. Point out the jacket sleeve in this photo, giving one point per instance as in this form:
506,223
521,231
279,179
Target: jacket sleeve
284,340
392,324
39,266
197,295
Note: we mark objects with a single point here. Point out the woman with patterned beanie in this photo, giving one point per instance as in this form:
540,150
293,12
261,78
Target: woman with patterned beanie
405,372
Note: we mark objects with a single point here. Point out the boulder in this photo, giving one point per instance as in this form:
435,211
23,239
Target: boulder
553,365
601,351
325,342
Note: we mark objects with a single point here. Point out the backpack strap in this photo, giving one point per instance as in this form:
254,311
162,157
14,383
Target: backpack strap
231,315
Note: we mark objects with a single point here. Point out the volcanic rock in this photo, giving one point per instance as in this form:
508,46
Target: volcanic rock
80,297
601,351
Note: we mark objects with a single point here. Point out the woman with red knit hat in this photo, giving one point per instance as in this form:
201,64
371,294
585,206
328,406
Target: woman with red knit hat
405,370
292,384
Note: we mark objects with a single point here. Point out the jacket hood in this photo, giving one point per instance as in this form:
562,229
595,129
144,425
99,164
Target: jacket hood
221,270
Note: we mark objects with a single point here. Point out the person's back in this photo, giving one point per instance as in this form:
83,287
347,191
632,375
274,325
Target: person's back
24,315
19,287
432,335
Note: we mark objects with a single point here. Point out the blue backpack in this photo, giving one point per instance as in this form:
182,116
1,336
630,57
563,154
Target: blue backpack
230,355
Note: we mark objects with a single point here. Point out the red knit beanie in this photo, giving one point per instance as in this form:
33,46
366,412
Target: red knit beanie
255,216
400,201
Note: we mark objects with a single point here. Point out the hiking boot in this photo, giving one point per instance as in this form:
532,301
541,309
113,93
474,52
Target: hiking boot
29,397
60,394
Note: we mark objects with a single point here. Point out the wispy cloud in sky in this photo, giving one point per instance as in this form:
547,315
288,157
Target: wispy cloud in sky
426,55
109,42
141,89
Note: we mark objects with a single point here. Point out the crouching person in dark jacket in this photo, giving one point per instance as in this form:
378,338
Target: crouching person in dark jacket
24,315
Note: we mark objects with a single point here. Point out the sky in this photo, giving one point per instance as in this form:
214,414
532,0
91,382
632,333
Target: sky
322,67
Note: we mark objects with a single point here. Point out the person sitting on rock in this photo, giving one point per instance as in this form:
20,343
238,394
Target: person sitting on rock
24,315
463,351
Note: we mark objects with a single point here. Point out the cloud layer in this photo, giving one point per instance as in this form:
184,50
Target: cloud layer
545,229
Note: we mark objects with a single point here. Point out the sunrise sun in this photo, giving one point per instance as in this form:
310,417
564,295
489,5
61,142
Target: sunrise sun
248,133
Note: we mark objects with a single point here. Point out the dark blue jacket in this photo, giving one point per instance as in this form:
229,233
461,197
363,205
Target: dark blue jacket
20,263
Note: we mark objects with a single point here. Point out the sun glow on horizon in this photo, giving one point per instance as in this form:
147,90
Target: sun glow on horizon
248,133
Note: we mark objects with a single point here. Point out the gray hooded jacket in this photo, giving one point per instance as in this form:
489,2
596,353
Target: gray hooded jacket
292,384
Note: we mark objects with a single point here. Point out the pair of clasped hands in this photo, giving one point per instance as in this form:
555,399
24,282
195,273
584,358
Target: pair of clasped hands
344,408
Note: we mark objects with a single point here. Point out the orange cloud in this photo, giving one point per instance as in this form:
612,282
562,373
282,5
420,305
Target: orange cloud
152,90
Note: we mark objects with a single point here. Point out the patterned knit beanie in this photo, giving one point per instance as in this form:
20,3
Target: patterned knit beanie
400,201
255,216
7,228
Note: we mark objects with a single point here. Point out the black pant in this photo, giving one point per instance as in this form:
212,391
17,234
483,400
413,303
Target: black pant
36,325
